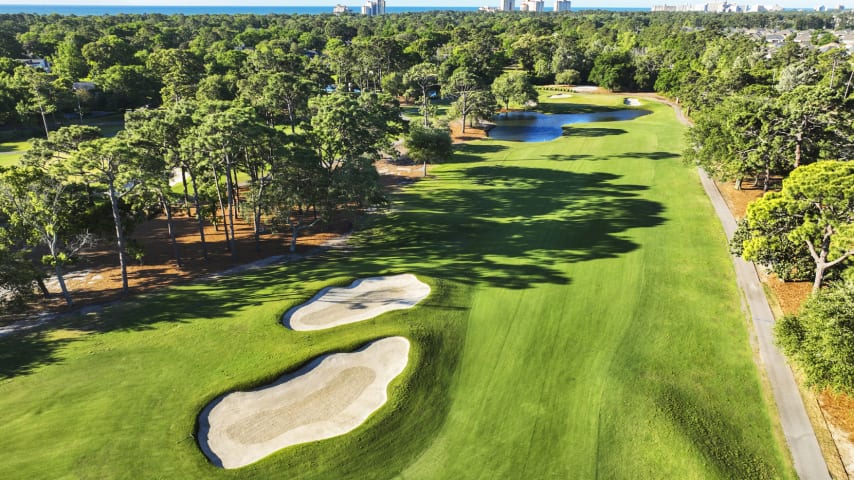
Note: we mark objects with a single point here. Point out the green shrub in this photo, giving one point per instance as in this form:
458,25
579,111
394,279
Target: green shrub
820,339
568,77
426,144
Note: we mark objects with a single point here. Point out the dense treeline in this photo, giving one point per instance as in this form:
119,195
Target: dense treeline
297,107
138,60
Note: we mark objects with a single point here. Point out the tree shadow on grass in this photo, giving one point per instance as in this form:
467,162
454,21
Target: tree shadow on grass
503,226
515,227
650,155
473,152
630,155
719,441
21,354
576,108
591,132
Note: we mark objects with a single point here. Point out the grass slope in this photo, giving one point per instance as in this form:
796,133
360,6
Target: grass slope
584,323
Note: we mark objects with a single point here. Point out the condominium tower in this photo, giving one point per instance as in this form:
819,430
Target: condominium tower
374,7
532,6
562,5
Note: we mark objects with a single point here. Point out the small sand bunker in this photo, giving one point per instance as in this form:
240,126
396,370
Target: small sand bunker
560,95
330,397
632,102
363,300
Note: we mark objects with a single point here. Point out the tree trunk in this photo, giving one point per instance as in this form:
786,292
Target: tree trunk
236,189
767,184
44,122
59,278
738,182
199,217
186,195
42,288
799,139
424,103
120,236
168,208
57,267
230,190
221,206
294,235
464,112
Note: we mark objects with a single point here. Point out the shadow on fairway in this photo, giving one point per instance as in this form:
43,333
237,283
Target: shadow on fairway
591,132
21,354
515,227
650,155
576,108
473,152
505,226
720,442
630,155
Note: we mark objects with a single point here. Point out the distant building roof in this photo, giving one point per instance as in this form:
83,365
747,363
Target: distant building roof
36,63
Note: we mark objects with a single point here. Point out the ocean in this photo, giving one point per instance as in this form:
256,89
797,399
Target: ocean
82,10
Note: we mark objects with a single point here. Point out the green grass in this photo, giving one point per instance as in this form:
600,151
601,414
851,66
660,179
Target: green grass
584,323
12,151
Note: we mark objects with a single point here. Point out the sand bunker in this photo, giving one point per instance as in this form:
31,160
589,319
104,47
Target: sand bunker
632,102
363,300
560,95
330,397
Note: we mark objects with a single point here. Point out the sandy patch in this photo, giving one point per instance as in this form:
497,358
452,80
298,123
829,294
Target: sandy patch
560,95
362,300
632,102
330,397
586,88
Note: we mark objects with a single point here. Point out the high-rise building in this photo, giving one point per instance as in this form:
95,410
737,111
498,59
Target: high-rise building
506,6
562,5
532,6
340,9
374,7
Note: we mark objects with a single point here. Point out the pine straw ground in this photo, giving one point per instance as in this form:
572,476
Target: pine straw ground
96,276
836,410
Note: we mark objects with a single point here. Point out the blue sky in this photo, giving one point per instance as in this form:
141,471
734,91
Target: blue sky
580,3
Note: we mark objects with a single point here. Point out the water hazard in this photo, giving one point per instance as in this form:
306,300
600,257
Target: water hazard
540,127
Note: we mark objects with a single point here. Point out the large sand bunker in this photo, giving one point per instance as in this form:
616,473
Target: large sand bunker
330,397
363,300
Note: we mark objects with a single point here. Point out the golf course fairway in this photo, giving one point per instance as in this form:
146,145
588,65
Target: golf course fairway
583,322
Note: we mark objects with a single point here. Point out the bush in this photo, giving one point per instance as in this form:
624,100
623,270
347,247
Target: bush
567,77
426,144
820,339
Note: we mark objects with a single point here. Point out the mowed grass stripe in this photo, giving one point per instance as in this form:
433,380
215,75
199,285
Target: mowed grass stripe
584,323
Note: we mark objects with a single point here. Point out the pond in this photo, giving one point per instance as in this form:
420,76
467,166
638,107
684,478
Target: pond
541,127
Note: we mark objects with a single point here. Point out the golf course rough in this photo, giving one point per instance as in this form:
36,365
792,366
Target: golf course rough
328,398
362,300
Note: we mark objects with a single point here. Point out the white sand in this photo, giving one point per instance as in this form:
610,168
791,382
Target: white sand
632,102
586,88
560,95
330,397
363,300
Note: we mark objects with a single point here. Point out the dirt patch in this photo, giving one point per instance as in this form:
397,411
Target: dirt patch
96,277
471,133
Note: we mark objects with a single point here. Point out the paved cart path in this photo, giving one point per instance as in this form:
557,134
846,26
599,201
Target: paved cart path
800,436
